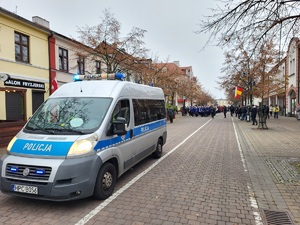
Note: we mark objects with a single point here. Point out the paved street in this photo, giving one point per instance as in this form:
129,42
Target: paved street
213,171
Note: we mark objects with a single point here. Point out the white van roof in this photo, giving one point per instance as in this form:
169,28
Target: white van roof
108,88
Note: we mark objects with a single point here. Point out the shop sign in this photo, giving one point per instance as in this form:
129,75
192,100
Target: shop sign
24,83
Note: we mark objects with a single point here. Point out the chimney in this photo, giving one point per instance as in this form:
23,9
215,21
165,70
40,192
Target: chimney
176,62
40,21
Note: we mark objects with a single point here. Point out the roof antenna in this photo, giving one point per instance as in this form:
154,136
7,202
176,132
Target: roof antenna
16,12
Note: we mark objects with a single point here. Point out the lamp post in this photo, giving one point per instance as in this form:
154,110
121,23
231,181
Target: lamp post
183,107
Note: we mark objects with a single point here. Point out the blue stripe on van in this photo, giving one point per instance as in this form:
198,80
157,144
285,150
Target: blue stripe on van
112,141
53,148
137,131
43,148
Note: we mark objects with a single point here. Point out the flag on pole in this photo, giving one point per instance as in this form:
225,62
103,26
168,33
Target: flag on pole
238,92
54,85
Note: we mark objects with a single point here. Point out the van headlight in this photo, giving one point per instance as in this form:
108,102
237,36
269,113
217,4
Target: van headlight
11,143
83,146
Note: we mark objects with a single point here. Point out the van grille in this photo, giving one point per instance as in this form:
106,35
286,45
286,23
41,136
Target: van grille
35,172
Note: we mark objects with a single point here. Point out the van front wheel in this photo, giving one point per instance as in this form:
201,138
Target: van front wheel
106,181
158,152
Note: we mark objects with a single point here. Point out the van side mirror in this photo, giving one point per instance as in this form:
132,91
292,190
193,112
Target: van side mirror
118,126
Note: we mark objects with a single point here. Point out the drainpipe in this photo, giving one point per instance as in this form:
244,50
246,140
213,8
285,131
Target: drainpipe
50,65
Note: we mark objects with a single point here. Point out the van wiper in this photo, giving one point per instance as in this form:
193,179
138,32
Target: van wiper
39,129
72,130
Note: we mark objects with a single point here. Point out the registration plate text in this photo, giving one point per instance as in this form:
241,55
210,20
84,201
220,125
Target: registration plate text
25,189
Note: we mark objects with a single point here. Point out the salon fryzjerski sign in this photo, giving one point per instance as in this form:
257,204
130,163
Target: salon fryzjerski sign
24,83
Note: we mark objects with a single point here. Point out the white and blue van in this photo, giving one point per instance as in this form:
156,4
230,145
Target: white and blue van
83,137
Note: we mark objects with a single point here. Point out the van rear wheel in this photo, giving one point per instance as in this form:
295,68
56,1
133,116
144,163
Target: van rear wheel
106,181
158,152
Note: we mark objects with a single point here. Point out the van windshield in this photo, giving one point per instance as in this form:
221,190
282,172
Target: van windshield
69,116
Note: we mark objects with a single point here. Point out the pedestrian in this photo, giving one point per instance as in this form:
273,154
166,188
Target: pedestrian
244,112
231,110
276,111
236,111
248,111
170,114
213,112
253,115
224,111
267,111
270,111
239,112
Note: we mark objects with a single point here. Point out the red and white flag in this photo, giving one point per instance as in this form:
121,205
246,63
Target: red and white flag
54,85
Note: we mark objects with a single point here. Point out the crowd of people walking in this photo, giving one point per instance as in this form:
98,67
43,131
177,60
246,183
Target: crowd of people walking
249,113
244,113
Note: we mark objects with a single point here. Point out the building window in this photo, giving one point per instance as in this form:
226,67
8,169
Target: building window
63,59
98,67
80,63
21,47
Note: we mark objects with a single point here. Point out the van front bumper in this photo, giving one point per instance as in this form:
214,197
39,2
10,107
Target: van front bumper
64,179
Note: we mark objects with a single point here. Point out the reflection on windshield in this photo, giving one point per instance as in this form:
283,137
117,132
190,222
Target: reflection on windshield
69,115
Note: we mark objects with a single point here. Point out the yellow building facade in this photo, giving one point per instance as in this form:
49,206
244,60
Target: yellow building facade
24,66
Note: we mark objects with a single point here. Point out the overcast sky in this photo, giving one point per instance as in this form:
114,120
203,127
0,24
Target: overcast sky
170,26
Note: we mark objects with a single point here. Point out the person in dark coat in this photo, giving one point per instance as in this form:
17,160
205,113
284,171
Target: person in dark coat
213,111
231,110
170,114
224,111
244,112
253,115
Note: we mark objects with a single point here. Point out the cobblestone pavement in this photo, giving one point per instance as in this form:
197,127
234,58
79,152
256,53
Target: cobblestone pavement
206,176
202,182
271,155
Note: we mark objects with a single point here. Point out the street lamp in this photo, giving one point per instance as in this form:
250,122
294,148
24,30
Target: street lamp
183,107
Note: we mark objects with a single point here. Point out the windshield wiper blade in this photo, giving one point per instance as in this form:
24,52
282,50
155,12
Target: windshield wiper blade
40,129
72,130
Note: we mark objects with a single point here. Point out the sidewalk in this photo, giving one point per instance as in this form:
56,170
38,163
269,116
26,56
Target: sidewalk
2,151
271,156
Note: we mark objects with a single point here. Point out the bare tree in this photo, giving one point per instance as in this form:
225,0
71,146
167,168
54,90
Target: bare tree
258,19
118,54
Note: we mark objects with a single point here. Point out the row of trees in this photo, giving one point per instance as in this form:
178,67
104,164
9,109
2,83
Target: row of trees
129,56
253,71
257,32
254,31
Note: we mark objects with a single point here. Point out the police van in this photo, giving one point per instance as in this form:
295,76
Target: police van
83,137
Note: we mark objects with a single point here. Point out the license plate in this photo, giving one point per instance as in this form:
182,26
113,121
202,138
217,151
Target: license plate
25,189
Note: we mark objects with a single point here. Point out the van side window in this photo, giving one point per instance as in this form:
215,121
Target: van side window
122,109
146,110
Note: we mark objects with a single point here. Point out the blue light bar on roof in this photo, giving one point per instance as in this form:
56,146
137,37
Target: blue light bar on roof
103,76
